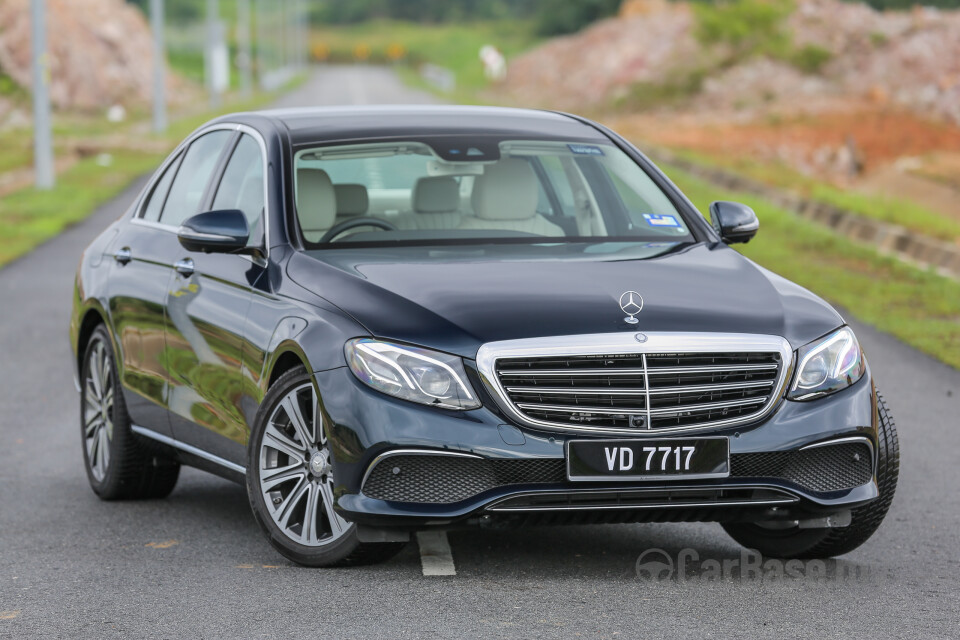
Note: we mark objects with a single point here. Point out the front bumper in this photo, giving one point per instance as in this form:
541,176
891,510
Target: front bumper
367,428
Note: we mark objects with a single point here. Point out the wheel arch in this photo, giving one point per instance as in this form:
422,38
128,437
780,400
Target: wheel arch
288,357
90,318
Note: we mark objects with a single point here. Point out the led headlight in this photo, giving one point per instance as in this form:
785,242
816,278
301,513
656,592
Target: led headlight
827,365
411,373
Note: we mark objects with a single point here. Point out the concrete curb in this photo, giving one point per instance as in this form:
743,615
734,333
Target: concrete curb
917,249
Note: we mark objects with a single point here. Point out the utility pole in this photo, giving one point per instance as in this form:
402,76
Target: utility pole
212,53
159,67
283,45
245,54
42,137
261,20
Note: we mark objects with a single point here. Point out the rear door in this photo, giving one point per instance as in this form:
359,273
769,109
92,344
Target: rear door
207,309
140,276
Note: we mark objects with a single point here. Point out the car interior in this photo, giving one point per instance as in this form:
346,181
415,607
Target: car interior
406,191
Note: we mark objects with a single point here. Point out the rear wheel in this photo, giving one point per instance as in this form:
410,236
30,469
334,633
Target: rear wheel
290,481
824,543
118,465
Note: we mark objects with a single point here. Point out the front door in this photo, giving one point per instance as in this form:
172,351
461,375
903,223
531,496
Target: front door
206,314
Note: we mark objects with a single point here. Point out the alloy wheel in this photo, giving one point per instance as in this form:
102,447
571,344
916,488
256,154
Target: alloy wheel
295,473
98,411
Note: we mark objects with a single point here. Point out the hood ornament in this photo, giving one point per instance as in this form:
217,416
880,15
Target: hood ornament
631,303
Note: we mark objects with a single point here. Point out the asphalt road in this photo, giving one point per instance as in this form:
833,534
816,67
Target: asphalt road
195,564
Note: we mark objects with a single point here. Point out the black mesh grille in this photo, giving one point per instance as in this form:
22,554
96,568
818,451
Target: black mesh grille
635,391
821,469
442,479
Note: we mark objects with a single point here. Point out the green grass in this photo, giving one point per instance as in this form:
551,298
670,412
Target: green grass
920,308
455,46
29,216
893,210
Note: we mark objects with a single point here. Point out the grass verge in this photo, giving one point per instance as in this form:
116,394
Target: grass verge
454,46
920,308
29,216
893,210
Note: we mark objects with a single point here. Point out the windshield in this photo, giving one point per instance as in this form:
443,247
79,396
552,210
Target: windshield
479,191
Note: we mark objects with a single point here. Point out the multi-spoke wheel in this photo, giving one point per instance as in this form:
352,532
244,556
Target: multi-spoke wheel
118,466
290,481
296,478
98,410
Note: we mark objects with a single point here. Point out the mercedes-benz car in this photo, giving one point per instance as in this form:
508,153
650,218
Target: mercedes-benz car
391,319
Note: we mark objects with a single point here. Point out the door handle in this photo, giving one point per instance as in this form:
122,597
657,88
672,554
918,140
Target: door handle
123,256
184,267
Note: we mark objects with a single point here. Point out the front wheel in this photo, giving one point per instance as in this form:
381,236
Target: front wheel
865,520
290,481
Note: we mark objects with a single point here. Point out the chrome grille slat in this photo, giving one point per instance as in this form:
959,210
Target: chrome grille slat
643,391
634,371
618,391
640,410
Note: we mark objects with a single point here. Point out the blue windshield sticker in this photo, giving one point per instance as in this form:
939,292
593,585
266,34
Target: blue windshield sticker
657,220
586,149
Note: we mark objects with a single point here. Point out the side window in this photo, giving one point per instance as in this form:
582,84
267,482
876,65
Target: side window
188,186
159,194
242,184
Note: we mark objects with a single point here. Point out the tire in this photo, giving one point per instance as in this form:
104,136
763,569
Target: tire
865,520
290,481
118,465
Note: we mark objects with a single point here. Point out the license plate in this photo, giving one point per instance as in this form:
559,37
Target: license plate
672,458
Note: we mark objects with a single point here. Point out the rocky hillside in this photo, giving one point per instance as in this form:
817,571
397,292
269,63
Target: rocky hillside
100,51
759,56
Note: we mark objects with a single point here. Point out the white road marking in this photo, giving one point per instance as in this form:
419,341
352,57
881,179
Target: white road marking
435,554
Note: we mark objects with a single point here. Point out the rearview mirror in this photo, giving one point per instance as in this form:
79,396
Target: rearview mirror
221,231
734,222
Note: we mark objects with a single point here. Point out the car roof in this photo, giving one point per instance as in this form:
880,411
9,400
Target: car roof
326,124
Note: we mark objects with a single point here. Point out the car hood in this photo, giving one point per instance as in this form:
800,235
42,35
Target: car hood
458,305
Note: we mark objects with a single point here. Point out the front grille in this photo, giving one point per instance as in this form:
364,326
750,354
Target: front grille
444,479
641,392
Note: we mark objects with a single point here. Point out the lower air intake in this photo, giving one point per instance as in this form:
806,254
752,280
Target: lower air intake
444,479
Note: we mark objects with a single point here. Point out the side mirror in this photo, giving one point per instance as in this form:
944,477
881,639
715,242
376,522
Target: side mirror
734,222
223,231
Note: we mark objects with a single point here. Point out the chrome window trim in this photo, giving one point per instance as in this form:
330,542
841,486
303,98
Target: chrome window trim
626,343
844,440
137,217
412,452
183,446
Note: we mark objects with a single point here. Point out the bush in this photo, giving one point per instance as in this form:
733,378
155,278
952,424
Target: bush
556,17
747,26
810,58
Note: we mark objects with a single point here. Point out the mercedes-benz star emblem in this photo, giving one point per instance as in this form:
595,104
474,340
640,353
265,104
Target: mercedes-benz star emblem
632,303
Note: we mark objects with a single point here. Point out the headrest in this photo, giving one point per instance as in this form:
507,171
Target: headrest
507,190
436,194
316,200
352,199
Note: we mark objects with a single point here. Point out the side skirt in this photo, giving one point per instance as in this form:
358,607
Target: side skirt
194,457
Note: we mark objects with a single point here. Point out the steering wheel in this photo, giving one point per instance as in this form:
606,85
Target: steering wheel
362,221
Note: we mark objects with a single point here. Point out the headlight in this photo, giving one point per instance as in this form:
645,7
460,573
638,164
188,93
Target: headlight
827,365
411,373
